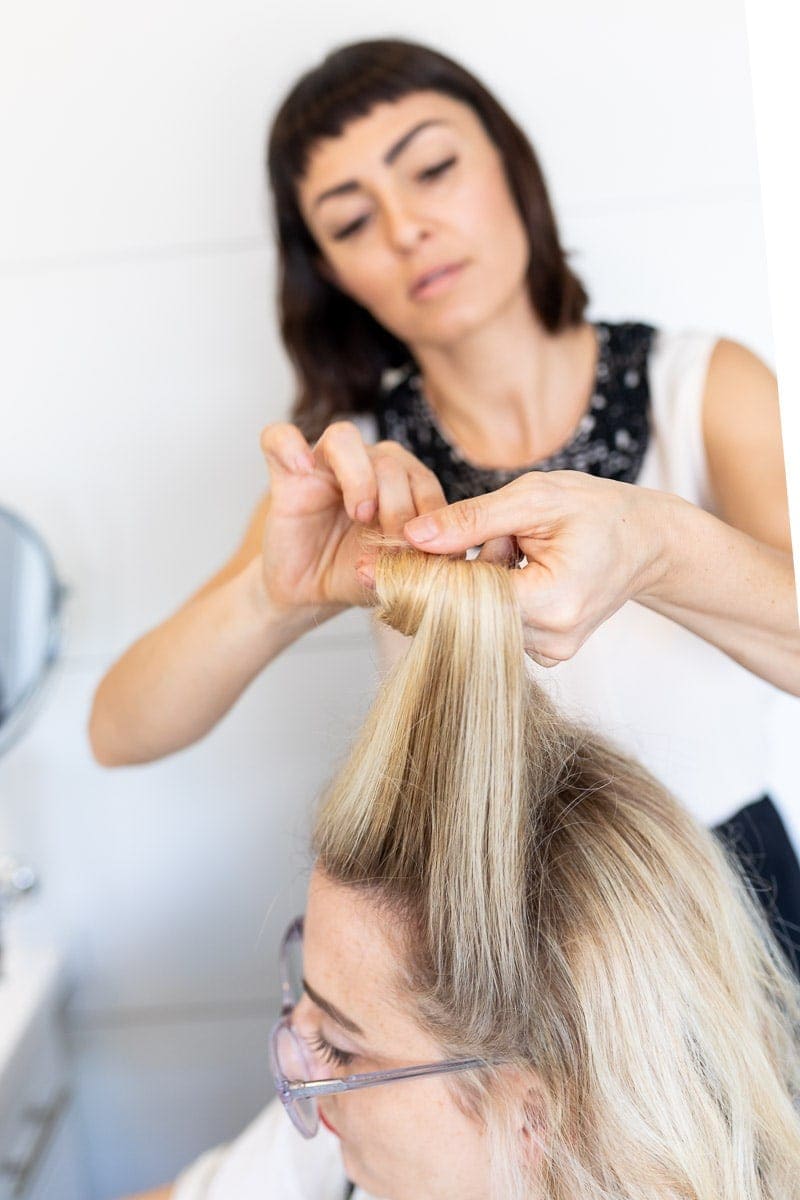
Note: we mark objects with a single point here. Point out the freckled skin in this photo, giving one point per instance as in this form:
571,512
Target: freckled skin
402,1141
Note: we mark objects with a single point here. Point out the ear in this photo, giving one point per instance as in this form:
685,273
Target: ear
534,1122
525,1103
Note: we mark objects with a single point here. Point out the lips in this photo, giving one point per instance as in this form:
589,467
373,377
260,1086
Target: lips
434,274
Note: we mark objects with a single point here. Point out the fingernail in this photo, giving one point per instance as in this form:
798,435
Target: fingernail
303,462
365,511
421,529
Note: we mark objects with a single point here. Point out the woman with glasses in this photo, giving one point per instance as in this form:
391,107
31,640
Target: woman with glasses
524,972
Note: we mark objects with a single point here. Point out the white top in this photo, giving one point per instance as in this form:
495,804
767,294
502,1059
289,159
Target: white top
269,1161
693,716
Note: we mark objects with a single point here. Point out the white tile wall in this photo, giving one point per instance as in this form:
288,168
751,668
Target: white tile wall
139,361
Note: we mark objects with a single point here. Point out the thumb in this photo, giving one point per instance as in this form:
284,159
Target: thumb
457,527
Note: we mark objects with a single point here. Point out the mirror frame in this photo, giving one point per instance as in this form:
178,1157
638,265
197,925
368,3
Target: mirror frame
24,708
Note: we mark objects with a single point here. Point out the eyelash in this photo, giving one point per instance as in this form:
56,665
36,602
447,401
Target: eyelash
328,1053
439,168
424,176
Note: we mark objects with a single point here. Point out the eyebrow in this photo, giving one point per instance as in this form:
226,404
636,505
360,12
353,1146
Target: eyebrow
352,185
331,1010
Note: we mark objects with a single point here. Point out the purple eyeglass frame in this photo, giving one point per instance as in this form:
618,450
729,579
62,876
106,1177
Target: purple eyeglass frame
311,1089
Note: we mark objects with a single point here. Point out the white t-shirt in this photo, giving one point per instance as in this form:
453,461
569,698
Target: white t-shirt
269,1161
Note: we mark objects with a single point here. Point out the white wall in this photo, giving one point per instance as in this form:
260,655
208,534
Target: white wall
140,359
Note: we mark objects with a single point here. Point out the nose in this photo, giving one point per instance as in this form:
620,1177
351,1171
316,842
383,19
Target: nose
405,227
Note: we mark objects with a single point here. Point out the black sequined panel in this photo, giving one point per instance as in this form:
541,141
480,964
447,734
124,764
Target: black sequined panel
610,440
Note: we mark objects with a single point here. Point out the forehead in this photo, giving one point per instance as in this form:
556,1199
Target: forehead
343,938
365,140
351,957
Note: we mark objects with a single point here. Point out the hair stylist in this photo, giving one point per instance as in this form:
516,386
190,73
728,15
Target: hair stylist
424,293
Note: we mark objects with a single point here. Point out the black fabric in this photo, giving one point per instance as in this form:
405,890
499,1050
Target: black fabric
756,834
610,440
348,1191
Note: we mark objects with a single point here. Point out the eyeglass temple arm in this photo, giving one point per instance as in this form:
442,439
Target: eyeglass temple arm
351,1083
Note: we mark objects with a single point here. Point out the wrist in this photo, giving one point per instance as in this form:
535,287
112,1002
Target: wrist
285,622
659,524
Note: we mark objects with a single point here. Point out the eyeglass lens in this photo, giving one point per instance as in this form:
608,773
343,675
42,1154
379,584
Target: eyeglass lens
293,1065
293,966
292,1060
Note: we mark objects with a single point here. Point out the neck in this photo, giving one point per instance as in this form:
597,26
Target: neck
510,393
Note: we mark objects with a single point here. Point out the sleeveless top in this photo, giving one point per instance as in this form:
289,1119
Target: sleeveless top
610,439
700,722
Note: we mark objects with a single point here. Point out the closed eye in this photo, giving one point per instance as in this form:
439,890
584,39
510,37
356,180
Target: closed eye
353,227
439,168
430,173
328,1053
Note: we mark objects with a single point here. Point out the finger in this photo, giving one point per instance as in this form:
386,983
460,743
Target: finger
502,550
533,587
466,523
426,490
425,487
396,503
341,449
284,447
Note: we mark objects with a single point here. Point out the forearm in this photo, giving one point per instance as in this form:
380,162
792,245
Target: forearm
175,683
726,587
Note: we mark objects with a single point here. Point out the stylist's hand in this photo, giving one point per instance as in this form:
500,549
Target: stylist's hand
321,498
590,544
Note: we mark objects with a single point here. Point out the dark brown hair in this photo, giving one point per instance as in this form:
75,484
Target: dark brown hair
338,350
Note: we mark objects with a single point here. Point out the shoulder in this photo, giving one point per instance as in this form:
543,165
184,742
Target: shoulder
737,379
708,376
723,367
740,402
742,437
715,403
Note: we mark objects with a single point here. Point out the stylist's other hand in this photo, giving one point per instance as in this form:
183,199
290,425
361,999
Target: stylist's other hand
321,498
590,544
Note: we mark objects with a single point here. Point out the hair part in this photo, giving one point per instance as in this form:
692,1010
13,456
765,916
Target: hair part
338,350
561,913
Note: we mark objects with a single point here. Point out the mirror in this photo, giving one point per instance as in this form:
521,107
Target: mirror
31,600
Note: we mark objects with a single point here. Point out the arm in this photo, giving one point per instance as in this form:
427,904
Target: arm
731,580
295,568
177,681
592,544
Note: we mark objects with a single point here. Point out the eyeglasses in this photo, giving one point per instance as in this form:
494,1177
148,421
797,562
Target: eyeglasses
291,1070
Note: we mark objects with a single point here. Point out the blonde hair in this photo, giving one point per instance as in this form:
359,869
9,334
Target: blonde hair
561,912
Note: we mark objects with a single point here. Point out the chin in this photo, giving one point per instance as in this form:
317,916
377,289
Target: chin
365,1179
448,327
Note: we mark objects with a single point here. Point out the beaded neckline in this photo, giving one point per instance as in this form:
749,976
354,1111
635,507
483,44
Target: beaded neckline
610,439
